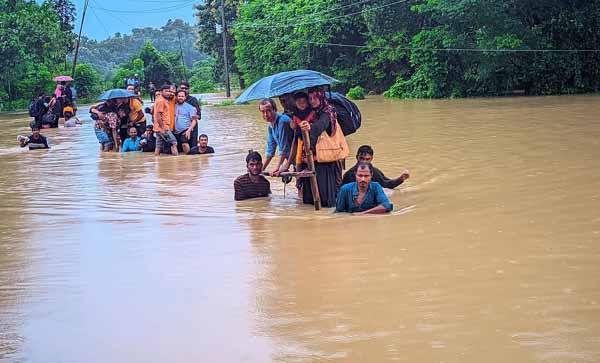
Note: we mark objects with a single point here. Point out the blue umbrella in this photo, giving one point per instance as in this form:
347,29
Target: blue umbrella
284,82
116,93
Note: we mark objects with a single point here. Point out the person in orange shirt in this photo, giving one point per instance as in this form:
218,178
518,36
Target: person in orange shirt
164,116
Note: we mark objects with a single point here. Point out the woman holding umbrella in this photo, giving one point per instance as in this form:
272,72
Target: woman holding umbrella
108,115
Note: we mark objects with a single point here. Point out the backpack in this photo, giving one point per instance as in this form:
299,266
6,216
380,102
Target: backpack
34,108
348,114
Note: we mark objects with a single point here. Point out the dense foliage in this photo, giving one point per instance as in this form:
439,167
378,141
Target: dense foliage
106,55
34,41
210,37
424,48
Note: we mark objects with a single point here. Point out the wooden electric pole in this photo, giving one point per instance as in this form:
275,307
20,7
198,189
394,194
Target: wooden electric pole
225,62
85,6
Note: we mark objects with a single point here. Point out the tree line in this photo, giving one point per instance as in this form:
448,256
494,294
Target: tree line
35,42
414,49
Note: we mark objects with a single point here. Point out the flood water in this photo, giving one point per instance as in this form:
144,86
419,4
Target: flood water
491,255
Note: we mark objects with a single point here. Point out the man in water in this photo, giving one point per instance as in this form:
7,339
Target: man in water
186,119
35,140
252,184
185,86
163,122
202,147
279,134
70,119
132,143
363,196
365,154
148,141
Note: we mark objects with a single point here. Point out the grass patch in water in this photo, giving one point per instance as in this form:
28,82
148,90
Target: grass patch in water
224,104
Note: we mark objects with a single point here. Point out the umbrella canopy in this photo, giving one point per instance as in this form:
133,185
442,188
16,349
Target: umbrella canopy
284,82
63,78
116,93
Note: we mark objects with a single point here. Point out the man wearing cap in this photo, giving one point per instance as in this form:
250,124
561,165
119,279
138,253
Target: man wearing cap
163,121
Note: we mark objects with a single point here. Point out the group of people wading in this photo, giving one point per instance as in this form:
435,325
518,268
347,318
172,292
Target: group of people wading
122,123
309,114
47,110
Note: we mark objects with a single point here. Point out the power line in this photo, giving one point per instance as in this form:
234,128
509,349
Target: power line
147,11
101,23
295,24
499,50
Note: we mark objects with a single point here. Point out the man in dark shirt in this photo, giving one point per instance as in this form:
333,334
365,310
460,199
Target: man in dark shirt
35,140
202,147
148,141
365,154
252,184
185,86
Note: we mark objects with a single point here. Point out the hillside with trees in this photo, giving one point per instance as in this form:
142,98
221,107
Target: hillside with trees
107,55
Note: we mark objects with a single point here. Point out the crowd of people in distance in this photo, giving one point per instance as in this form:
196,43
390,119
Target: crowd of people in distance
46,110
358,191
122,124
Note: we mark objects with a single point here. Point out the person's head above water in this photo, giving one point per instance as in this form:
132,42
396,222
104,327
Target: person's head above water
364,154
364,174
132,132
254,162
35,130
203,141
268,109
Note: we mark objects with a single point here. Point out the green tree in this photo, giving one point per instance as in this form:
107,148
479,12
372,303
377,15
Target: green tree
33,47
208,14
87,81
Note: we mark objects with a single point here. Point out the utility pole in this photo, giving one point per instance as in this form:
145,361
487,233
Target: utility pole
226,65
85,6
181,53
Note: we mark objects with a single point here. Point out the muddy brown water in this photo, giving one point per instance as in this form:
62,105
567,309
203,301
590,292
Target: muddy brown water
491,255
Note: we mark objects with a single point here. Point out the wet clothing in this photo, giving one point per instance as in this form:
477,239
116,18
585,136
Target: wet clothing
71,123
162,107
150,144
40,143
184,113
196,150
165,139
328,174
135,107
103,137
131,145
194,102
279,135
43,109
346,202
378,176
245,188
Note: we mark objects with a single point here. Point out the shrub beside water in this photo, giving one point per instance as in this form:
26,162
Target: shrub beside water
356,93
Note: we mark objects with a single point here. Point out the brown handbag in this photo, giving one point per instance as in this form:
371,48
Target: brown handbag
332,148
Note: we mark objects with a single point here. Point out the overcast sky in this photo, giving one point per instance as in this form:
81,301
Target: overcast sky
104,18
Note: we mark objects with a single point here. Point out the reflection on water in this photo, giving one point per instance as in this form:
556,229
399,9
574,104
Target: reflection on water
492,252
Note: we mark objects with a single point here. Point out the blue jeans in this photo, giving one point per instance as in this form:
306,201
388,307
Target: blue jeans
103,137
